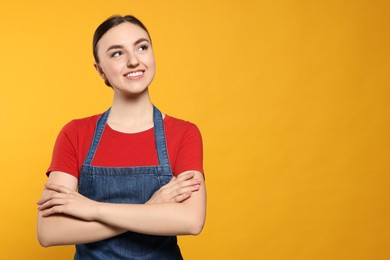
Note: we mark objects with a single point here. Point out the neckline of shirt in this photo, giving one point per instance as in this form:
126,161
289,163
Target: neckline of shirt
115,133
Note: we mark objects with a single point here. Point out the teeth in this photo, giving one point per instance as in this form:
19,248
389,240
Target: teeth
134,74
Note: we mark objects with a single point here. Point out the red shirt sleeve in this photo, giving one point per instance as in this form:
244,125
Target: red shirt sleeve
65,151
190,152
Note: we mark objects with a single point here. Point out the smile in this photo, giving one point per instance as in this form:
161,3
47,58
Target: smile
134,74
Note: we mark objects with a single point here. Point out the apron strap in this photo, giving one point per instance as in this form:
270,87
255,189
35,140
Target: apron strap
101,123
159,135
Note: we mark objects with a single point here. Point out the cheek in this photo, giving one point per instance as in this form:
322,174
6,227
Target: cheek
149,59
151,63
110,69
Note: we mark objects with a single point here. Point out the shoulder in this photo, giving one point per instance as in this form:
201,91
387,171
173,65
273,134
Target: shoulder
184,145
81,128
81,124
180,126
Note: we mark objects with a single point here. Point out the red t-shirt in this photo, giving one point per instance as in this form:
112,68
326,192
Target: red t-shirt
117,149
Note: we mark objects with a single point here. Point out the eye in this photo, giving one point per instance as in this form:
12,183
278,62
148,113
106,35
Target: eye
142,47
116,54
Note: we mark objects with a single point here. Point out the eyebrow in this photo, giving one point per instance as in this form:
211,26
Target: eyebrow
121,46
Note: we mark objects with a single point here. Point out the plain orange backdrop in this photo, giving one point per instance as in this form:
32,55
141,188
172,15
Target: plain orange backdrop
292,98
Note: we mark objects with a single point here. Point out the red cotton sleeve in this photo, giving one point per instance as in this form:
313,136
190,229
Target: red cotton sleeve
190,153
65,153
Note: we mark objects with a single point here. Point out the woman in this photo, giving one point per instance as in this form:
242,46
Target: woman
123,184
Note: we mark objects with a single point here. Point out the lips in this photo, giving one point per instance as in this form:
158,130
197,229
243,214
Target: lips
134,74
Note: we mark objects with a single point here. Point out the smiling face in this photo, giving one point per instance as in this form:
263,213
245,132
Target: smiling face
126,59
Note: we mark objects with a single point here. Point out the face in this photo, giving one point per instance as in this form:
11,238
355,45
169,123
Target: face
126,59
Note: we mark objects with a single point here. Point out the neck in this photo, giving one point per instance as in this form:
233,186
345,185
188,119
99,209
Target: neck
131,114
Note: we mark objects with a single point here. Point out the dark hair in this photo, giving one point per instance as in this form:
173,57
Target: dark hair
110,23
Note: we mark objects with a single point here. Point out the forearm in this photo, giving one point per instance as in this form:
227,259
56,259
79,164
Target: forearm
65,230
185,218
153,219
61,229
168,218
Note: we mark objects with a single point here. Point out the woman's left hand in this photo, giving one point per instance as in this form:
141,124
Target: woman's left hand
61,200
177,190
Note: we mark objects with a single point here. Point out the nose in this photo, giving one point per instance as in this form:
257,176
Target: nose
132,61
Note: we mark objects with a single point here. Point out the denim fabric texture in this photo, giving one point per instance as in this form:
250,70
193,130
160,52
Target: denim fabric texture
132,185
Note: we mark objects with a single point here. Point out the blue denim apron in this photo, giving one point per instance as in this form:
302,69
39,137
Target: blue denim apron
132,185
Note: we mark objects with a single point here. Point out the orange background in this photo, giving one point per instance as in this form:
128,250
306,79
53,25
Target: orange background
292,98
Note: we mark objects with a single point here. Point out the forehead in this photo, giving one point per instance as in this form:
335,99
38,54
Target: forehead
122,34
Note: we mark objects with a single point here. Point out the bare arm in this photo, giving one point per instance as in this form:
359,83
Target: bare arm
185,218
60,229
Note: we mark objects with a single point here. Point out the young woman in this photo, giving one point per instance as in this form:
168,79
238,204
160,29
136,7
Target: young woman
124,183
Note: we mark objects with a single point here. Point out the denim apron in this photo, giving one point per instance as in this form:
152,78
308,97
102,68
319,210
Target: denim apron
131,185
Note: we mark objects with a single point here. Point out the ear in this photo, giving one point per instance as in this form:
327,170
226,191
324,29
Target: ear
99,70
101,73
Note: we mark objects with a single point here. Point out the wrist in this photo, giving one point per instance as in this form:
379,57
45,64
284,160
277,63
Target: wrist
97,211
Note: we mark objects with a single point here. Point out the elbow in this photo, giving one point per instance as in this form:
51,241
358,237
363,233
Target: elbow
196,230
45,237
196,226
48,240
44,241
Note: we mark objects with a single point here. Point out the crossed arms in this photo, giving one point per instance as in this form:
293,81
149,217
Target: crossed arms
67,217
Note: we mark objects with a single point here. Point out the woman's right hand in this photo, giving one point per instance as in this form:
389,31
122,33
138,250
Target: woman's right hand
177,190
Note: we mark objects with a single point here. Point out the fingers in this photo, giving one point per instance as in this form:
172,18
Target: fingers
57,188
182,197
179,194
51,211
51,203
181,178
60,209
51,191
178,189
57,199
52,199
184,181
186,176
55,195
184,190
